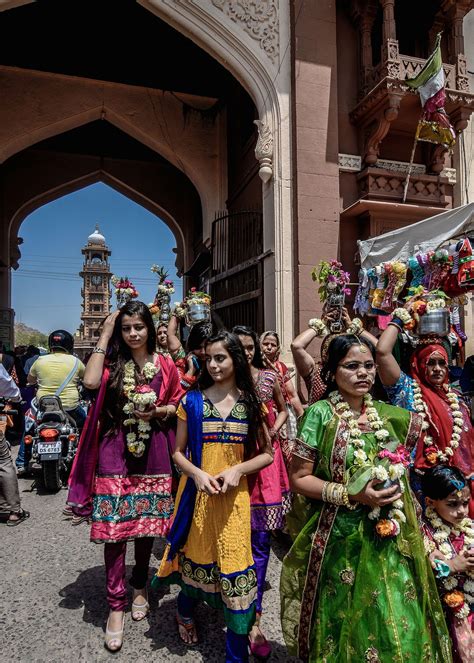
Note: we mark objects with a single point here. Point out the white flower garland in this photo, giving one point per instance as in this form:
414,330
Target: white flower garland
140,401
422,408
393,473
441,536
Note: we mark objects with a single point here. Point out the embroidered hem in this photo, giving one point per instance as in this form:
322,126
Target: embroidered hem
235,593
131,507
267,517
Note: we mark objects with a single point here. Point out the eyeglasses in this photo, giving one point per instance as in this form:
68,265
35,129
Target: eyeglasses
353,366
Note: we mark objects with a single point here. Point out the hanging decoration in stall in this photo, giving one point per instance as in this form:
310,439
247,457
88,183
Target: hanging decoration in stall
437,281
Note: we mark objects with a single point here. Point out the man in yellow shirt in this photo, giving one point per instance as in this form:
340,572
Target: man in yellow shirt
56,374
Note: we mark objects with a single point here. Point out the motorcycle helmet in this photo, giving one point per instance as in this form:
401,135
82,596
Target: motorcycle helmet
61,340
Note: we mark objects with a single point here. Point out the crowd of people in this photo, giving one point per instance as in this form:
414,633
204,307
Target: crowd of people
210,445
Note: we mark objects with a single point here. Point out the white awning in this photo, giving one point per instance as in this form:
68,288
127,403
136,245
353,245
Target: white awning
426,235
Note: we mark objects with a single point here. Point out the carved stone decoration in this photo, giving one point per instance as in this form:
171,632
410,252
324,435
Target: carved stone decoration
350,163
259,19
401,166
380,129
264,150
437,159
450,174
462,79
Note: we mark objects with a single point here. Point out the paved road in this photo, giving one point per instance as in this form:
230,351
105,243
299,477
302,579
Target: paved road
55,579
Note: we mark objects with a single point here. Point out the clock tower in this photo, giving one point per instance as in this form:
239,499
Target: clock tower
95,291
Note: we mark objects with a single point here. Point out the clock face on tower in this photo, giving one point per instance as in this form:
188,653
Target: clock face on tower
96,279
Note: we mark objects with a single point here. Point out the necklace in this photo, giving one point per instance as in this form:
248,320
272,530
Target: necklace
432,452
139,397
458,589
384,466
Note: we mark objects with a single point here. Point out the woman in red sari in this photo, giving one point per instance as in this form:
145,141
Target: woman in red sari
122,473
449,432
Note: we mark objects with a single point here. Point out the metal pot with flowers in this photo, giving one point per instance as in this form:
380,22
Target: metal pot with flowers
124,290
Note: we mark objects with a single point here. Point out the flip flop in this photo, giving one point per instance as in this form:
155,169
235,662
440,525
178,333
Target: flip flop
23,515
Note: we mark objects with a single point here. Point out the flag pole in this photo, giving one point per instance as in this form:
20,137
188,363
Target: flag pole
410,167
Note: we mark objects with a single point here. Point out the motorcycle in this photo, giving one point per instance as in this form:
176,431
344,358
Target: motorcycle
55,439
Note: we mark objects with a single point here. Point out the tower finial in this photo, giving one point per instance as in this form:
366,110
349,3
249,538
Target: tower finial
97,227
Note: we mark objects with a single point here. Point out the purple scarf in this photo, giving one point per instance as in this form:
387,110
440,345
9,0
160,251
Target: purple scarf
81,480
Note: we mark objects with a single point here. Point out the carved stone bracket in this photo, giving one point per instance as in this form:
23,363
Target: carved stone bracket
437,159
264,150
259,19
379,129
462,78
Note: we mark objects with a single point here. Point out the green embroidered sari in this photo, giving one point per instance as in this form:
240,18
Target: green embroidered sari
348,596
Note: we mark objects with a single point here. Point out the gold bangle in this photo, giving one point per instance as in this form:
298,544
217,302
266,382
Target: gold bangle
347,503
324,492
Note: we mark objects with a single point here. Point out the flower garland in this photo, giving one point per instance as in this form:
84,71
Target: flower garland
432,453
397,460
459,594
140,397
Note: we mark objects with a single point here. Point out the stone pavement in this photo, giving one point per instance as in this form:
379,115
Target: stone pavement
53,607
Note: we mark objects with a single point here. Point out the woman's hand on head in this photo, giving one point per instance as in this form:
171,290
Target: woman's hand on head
109,324
371,496
205,483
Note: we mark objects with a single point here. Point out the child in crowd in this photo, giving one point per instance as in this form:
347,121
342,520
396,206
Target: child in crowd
449,541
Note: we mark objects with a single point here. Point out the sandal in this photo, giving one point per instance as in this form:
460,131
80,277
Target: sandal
114,639
140,610
22,516
68,512
77,520
190,627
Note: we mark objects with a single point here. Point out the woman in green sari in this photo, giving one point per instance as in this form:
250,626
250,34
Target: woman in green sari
356,585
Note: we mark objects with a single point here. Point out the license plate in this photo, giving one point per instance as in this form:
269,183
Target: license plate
49,448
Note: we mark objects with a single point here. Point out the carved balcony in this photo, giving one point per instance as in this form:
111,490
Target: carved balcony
387,185
383,90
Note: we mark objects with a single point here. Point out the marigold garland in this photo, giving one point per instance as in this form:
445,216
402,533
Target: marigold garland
432,453
459,592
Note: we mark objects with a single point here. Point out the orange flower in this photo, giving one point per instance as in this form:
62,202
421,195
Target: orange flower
384,528
454,599
432,457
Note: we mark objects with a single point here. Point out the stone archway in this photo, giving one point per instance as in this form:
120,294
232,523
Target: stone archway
252,40
46,172
253,44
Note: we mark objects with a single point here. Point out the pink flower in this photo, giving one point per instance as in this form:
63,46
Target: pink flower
143,389
400,455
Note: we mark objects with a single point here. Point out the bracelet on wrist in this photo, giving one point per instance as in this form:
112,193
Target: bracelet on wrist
318,326
403,315
98,351
356,327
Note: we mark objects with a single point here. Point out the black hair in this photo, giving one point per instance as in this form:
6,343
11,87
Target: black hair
337,350
241,330
244,383
119,353
441,480
198,335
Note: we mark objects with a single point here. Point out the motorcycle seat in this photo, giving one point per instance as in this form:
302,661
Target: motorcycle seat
50,409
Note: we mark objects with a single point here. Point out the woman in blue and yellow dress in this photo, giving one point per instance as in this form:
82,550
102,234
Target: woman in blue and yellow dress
220,439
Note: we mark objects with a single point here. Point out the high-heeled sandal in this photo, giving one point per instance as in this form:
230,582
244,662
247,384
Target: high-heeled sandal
140,610
114,639
189,625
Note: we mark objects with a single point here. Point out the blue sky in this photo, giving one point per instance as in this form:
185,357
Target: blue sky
46,289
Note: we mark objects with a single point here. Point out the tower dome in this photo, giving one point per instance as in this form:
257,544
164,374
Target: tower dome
96,237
